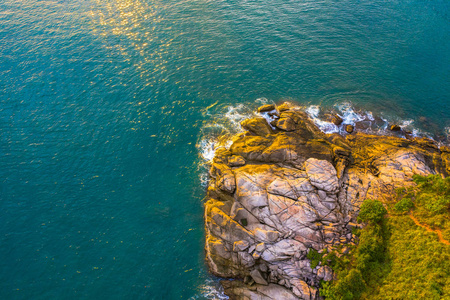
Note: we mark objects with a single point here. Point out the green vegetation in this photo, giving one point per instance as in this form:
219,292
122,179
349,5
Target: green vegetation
365,266
315,258
398,257
432,202
419,265
404,205
371,211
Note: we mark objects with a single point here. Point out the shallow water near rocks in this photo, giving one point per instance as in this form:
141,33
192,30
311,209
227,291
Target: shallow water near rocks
103,105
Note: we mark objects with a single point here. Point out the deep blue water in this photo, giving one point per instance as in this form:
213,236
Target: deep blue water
104,102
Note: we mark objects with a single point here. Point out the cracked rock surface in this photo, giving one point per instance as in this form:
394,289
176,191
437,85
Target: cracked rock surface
275,194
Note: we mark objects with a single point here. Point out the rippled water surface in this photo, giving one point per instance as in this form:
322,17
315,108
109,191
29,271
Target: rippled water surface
105,104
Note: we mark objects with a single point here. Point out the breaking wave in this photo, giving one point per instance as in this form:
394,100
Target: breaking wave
211,289
363,121
223,123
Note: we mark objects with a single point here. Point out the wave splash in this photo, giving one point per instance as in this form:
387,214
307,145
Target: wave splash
225,123
211,289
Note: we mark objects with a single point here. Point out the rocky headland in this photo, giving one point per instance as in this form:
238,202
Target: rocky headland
284,188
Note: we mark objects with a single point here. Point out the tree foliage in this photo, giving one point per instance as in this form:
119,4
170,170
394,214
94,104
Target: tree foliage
371,211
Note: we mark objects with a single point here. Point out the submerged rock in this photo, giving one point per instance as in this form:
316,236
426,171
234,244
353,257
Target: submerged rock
395,127
337,120
349,128
275,195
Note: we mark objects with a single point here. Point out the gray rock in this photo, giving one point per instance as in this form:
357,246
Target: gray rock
284,107
395,127
301,289
286,123
282,250
260,247
258,277
257,126
322,175
349,128
241,215
264,235
290,188
249,190
238,290
240,246
246,259
227,182
325,273
263,267
337,120
236,161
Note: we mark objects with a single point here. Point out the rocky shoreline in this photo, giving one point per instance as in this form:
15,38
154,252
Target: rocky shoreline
285,188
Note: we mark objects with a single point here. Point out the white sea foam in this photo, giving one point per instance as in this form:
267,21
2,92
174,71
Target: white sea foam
349,115
211,290
365,119
235,115
204,179
416,132
447,132
270,116
405,123
262,100
224,124
313,112
385,124
207,149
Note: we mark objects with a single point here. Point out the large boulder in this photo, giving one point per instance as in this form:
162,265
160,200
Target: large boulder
238,290
322,175
257,126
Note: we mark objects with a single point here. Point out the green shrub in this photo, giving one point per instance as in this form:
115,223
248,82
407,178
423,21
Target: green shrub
315,257
327,290
404,205
433,183
349,287
371,211
438,204
400,191
432,201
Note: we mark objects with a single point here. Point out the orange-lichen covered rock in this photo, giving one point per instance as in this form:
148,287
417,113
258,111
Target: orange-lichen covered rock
276,194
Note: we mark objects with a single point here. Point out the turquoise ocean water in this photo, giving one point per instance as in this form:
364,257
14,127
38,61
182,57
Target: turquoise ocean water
106,105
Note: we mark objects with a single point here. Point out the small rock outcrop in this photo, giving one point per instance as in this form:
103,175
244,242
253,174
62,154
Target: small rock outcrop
266,108
337,120
277,194
395,127
349,128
